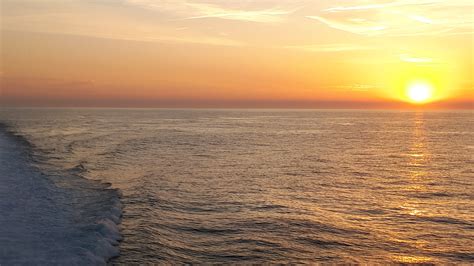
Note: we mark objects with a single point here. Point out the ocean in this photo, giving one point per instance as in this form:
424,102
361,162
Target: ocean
145,186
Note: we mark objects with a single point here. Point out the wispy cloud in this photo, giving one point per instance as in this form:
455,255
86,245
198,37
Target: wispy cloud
199,10
263,16
197,40
336,47
400,17
75,18
413,59
350,8
357,26
355,87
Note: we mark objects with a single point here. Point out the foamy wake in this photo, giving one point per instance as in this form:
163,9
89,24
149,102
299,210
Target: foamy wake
43,223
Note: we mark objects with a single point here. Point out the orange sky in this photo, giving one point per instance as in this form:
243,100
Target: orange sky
156,53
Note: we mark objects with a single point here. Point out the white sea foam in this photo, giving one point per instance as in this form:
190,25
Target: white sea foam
38,220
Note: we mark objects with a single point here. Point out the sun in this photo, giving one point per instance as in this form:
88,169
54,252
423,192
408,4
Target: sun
419,92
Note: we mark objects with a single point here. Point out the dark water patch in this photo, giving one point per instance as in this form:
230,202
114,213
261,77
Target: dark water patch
376,211
465,257
446,220
269,207
79,168
429,195
207,230
320,243
360,174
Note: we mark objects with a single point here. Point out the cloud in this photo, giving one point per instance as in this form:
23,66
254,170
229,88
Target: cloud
98,21
335,47
198,10
412,59
356,87
263,16
400,17
357,26
196,40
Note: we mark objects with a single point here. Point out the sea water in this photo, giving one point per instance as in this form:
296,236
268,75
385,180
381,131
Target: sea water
237,186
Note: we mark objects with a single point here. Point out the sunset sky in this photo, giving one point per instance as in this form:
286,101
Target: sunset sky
269,53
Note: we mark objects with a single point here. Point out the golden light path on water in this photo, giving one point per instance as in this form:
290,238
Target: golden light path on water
418,157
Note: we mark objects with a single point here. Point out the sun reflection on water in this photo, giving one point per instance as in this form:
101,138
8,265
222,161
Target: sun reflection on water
412,259
418,158
417,180
419,154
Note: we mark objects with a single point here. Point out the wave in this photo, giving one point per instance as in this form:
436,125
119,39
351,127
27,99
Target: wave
53,219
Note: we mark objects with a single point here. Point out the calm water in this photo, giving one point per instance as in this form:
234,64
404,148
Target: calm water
269,185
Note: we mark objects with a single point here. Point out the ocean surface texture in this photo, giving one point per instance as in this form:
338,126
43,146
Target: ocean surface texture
246,186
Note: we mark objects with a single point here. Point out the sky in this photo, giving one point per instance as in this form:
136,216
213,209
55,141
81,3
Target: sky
267,53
